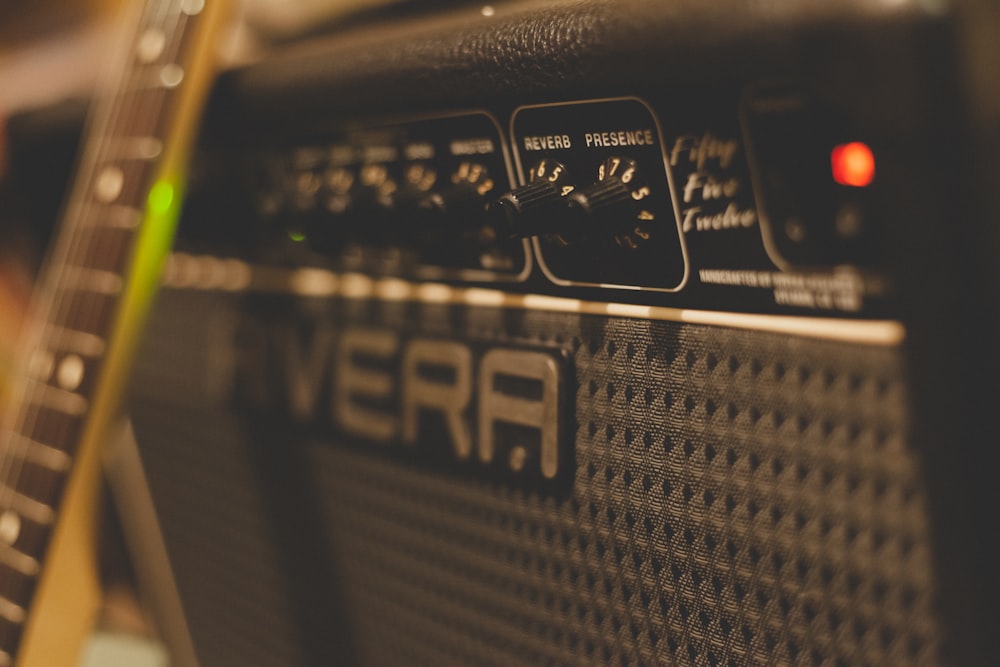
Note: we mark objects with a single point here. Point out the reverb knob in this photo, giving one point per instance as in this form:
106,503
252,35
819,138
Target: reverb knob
522,211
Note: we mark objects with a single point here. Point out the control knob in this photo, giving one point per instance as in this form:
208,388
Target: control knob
371,190
418,180
532,209
461,205
611,206
374,189
297,207
337,183
414,220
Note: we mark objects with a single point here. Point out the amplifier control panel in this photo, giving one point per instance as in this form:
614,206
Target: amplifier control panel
403,199
597,197
763,201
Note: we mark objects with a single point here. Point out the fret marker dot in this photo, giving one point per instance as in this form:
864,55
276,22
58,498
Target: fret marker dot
70,373
171,75
192,7
10,527
109,184
149,147
150,45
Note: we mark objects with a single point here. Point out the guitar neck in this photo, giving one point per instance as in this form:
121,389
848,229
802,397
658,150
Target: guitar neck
97,283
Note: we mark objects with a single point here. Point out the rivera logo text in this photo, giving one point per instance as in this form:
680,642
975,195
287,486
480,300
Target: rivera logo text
466,405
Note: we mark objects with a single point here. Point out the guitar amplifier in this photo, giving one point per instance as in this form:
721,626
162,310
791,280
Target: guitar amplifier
588,333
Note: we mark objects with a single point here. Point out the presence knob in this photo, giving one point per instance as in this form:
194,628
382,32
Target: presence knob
522,212
611,206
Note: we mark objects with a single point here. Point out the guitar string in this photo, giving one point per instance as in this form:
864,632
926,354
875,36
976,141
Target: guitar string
84,241
52,304
46,308
76,246
80,248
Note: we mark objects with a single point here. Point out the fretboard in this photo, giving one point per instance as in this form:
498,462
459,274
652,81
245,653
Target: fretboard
121,179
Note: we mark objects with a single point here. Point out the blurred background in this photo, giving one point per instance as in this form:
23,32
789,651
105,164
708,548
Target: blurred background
51,54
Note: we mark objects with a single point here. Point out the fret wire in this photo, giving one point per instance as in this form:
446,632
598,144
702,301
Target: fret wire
176,34
71,372
27,506
58,324
113,119
131,146
94,280
23,563
112,216
17,587
144,114
107,249
125,217
83,310
29,542
127,186
40,484
42,454
50,426
57,399
12,611
80,342
105,117
57,297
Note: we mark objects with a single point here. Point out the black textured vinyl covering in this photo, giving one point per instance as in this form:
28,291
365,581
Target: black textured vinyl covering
740,498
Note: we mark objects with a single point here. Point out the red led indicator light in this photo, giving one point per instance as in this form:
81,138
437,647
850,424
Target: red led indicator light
853,164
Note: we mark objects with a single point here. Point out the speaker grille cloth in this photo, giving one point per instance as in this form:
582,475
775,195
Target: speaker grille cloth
740,498
221,547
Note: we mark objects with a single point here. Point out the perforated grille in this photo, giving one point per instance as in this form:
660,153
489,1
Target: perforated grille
740,499
222,549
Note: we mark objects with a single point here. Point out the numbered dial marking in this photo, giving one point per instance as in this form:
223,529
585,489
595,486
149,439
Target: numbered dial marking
553,172
533,209
615,203
419,178
338,182
475,175
375,186
463,202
